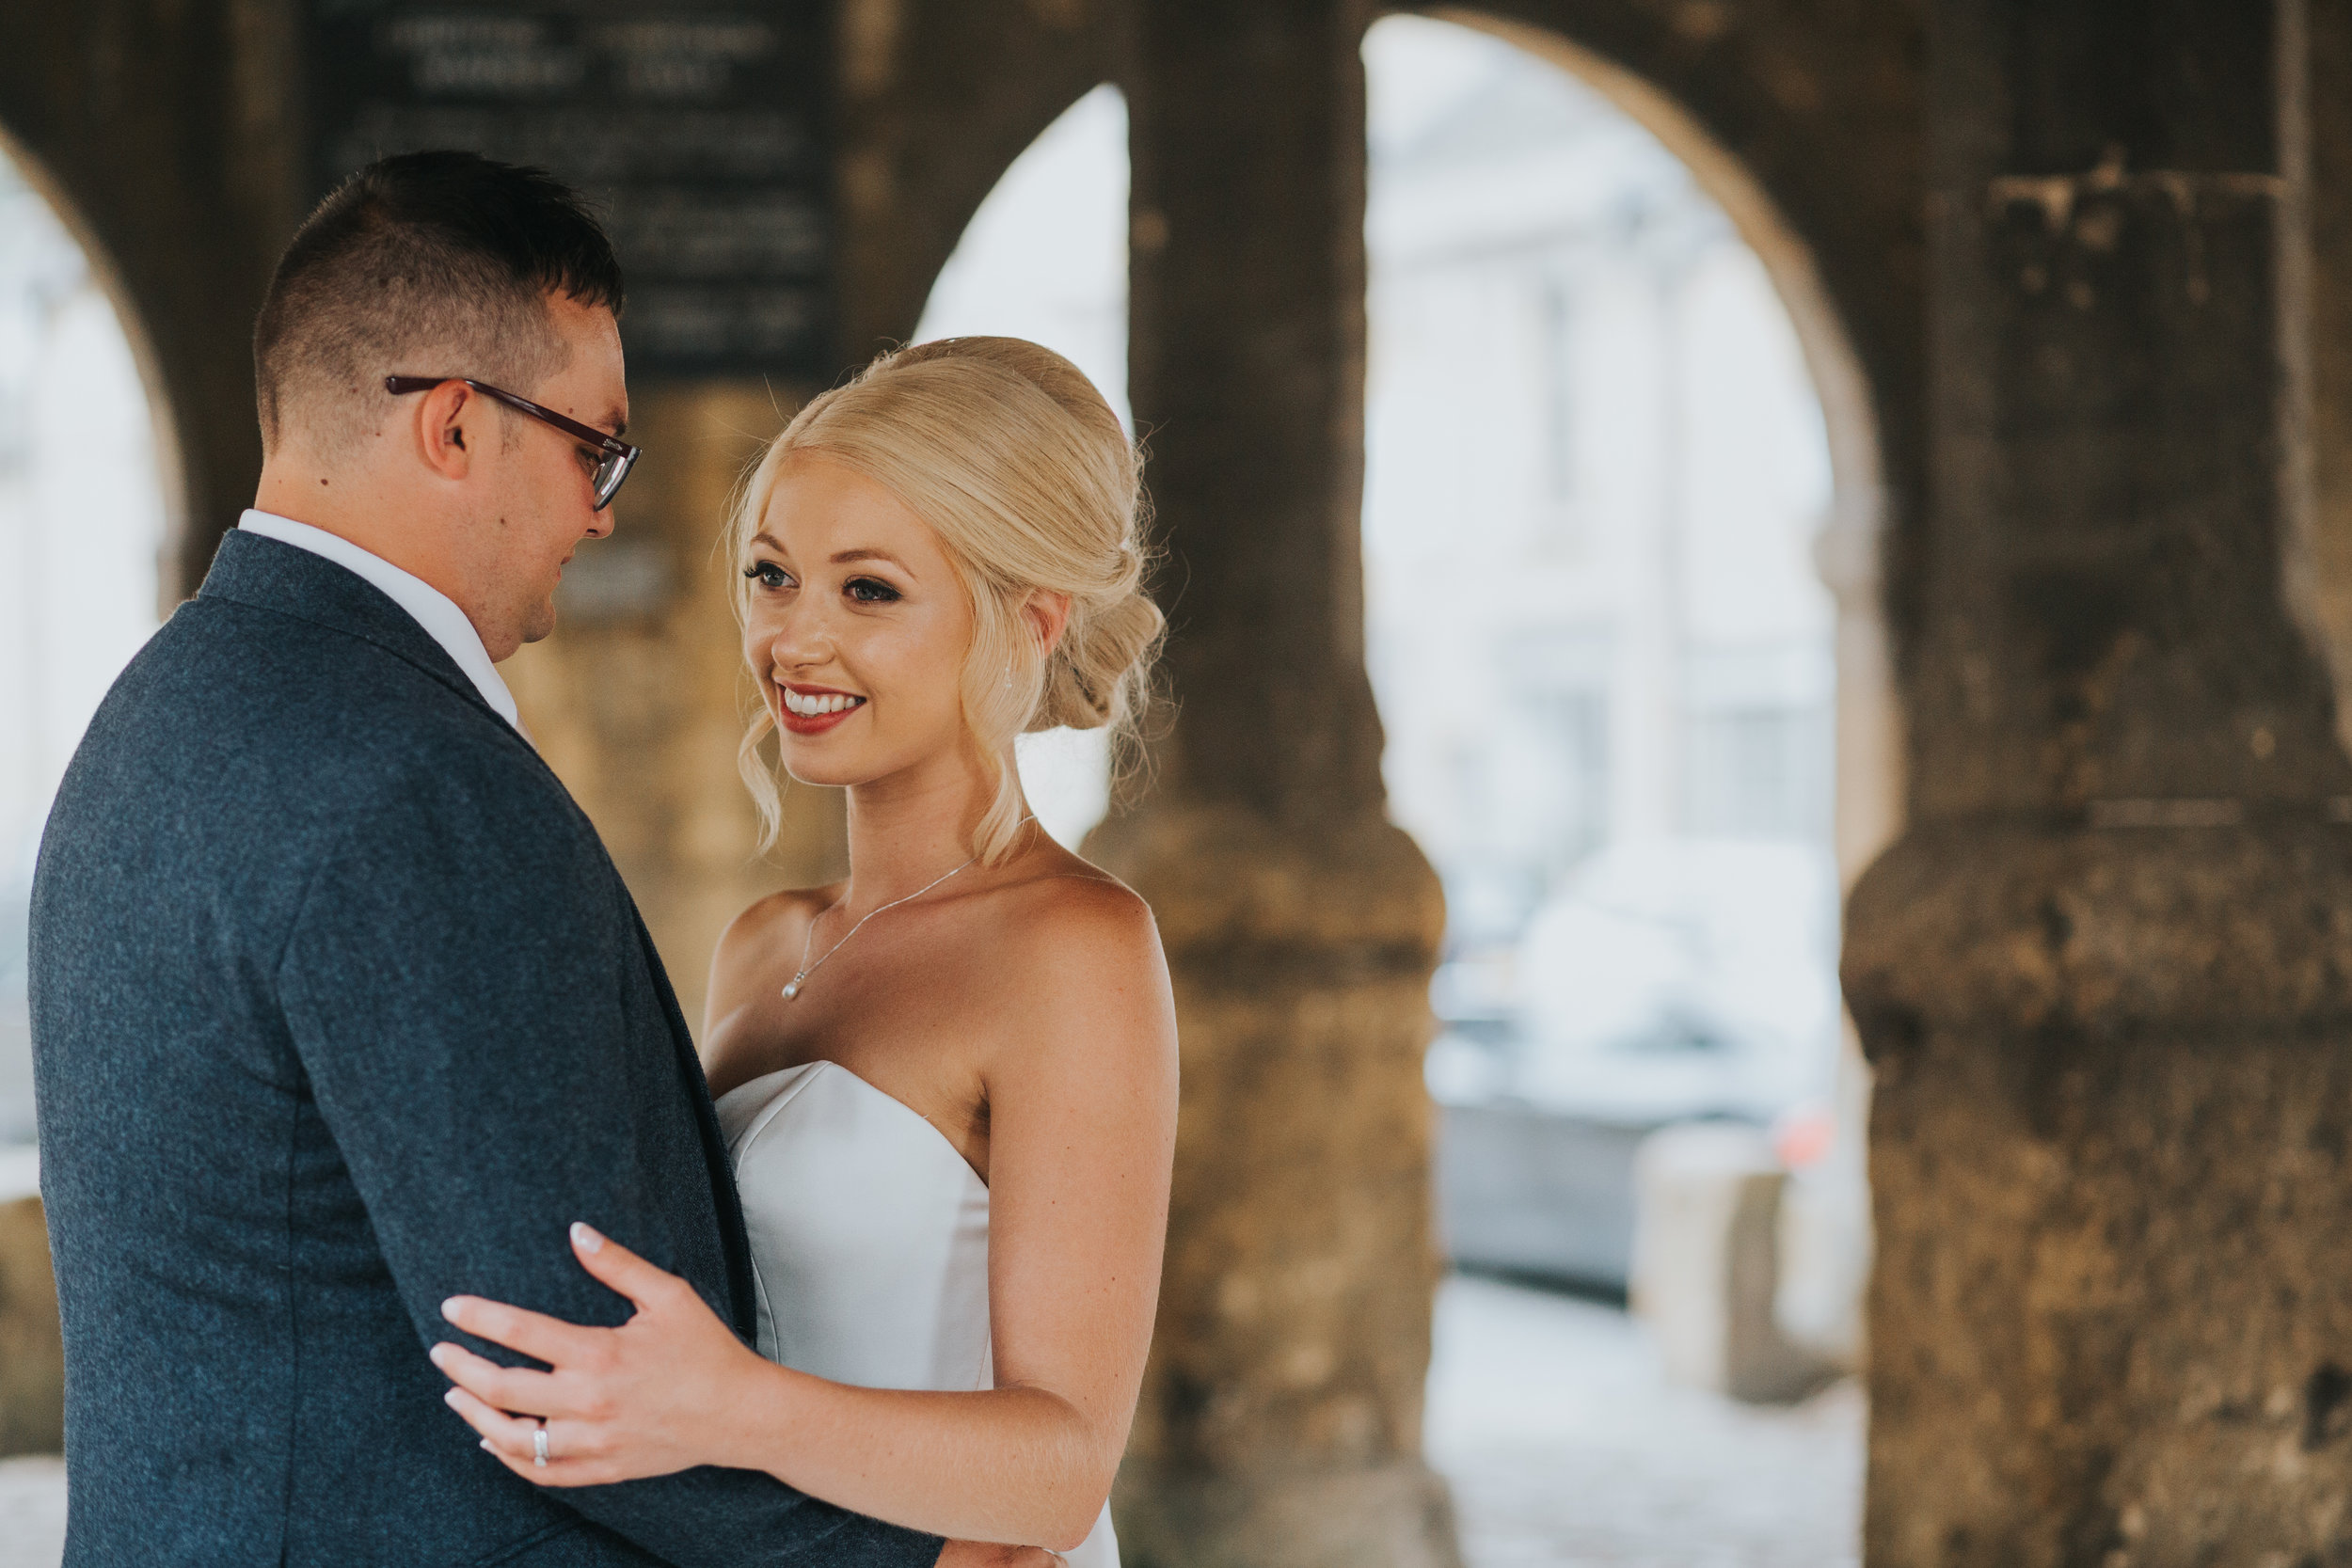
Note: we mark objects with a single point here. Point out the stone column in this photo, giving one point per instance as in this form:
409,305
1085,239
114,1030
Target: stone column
636,701
1281,1414
2330,96
2106,975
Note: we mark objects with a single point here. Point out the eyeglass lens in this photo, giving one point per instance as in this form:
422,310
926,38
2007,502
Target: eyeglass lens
611,468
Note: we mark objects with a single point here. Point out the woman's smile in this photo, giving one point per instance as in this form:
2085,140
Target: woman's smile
815,709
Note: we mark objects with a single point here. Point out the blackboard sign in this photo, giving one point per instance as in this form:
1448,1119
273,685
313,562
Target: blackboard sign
694,125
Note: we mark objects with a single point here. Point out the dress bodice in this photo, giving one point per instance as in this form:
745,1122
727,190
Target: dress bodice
869,1238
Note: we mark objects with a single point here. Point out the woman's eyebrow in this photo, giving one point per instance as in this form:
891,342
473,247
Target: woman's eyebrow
846,556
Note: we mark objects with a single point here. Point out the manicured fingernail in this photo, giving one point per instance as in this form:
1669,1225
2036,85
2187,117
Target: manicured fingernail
450,1399
450,1307
439,1354
485,1446
585,1239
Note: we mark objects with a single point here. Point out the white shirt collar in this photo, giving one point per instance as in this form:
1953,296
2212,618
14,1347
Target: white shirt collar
426,605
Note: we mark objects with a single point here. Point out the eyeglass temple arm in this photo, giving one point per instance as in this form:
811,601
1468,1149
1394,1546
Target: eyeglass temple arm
400,385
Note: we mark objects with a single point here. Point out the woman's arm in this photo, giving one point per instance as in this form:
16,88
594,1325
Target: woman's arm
1082,1105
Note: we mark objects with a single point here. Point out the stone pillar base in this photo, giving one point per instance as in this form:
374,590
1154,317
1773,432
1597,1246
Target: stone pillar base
2111,1153
32,1353
1280,1423
1396,1515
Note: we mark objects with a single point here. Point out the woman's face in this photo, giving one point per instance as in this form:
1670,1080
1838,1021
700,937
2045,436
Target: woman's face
858,627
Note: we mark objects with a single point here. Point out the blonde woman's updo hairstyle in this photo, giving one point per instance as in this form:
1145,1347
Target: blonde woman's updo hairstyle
1013,457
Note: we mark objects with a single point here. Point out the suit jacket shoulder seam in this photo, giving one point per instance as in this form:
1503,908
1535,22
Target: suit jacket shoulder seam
460,687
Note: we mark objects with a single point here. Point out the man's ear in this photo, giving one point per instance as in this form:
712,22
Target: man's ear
1047,613
447,429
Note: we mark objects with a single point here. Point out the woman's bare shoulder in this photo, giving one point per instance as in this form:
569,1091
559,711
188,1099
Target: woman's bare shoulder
743,961
791,907
750,939
1068,900
1080,1014
1077,941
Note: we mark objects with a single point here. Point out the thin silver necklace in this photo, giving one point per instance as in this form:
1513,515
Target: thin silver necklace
792,987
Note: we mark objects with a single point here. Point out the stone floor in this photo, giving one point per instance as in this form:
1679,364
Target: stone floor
1565,1446
1567,1450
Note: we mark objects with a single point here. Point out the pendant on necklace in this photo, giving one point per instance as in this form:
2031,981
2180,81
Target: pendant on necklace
792,990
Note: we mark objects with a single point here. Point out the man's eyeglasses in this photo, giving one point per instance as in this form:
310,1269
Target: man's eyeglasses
614,456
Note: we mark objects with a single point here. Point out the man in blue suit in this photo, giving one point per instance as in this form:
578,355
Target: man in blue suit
339,1007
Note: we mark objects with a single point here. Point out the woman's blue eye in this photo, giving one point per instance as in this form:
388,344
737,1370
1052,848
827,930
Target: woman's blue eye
767,574
866,590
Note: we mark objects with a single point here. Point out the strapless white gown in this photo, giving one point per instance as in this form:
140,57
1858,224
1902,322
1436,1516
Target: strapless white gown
870,1240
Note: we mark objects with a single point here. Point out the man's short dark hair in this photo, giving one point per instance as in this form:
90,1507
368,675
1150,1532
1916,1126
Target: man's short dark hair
428,264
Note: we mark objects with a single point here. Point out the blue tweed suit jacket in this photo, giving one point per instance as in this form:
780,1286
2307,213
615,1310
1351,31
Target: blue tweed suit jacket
340,1009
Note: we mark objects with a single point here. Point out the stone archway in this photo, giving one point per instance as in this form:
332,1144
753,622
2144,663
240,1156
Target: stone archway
171,462
90,495
1868,787
1547,626
167,134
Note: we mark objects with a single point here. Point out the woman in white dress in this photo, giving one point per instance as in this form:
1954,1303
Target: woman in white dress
948,1083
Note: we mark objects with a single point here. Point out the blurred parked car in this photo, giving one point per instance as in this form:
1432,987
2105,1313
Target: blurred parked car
1670,981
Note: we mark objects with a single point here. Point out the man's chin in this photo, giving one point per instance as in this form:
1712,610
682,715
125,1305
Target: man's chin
540,623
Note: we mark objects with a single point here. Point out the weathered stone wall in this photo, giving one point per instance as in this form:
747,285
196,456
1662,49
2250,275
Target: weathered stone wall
2104,974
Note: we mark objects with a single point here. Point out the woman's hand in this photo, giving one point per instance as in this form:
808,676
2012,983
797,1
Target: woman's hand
644,1399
